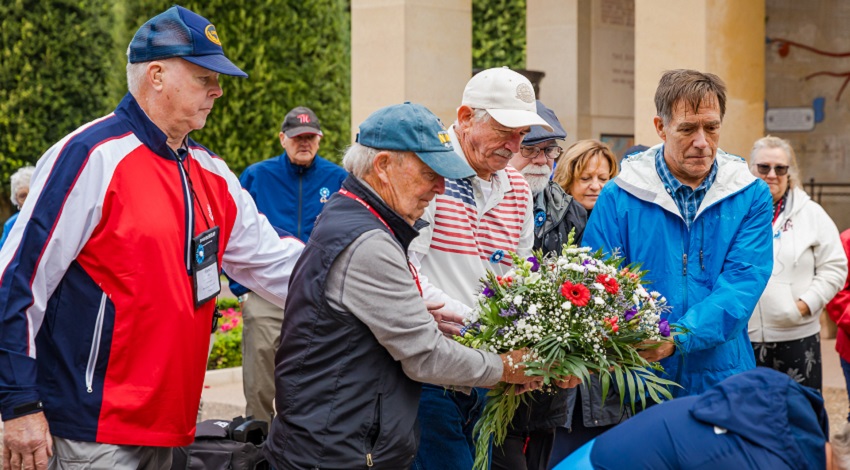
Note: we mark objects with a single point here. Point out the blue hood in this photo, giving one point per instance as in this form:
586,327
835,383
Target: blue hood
772,410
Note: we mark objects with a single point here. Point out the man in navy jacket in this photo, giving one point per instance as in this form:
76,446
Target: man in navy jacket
290,189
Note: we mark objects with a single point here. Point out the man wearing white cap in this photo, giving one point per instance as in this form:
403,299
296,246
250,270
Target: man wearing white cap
473,226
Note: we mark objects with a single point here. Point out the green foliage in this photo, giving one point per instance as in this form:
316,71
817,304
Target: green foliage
498,33
295,53
50,82
227,340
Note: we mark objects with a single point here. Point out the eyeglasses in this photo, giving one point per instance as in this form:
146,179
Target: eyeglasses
551,153
764,169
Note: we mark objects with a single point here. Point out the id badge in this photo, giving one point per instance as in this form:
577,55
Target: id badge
205,269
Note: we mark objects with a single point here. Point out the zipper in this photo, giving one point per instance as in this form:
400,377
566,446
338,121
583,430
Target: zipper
376,426
190,220
300,203
95,344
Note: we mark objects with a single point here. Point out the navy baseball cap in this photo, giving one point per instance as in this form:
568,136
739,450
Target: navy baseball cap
539,134
412,127
178,32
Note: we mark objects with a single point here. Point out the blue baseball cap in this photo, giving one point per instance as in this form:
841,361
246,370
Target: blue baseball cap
539,134
178,32
412,127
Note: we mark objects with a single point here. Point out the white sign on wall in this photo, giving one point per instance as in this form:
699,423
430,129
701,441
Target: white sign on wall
789,119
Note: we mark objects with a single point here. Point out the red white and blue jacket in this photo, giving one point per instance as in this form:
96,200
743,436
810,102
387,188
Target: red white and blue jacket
97,317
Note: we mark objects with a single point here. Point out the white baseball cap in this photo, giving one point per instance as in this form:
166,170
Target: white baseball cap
506,95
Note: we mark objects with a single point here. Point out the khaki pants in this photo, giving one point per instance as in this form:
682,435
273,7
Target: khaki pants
78,455
260,338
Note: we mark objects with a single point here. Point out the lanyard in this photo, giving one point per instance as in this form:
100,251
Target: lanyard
410,267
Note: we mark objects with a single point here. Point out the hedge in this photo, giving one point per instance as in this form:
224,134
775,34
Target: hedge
50,82
498,33
295,53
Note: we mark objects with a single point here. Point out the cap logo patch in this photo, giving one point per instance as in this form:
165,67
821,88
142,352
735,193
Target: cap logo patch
212,35
525,92
303,118
445,139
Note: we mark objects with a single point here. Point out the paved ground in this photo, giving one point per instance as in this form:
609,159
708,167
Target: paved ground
223,396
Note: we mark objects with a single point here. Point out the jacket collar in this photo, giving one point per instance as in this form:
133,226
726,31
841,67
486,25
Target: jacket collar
297,169
639,177
403,232
144,129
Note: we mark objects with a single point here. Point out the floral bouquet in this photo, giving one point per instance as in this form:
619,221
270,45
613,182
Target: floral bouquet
575,314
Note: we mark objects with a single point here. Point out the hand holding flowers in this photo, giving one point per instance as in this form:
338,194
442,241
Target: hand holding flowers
576,314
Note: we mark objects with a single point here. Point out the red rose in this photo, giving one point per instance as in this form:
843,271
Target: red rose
578,294
609,282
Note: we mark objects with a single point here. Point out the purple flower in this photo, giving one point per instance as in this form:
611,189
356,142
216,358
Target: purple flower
488,292
586,262
630,313
664,328
510,312
535,265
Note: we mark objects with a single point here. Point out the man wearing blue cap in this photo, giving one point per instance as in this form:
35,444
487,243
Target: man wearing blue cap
108,282
357,340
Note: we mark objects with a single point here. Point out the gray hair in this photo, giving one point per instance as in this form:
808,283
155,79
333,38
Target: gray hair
772,142
358,158
20,179
135,72
480,115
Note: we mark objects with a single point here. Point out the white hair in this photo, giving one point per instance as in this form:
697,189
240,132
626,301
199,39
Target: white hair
480,115
358,158
772,142
20,179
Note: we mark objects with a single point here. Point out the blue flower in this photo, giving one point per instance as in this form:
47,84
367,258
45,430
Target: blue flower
510,312
630,313
535,265
497,256
539,218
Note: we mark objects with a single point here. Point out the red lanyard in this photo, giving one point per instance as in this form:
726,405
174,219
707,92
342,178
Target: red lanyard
779,207
365,204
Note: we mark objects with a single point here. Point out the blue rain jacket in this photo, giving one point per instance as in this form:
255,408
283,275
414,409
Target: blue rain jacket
712,273
760,419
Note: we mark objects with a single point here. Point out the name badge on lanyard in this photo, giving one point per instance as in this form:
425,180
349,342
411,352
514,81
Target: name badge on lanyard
205,269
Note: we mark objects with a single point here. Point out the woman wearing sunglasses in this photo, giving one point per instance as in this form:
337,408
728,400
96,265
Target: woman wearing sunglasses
809,267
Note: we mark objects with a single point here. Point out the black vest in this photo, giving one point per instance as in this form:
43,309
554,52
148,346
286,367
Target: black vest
341,399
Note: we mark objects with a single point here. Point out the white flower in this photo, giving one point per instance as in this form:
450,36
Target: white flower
566,306
655,294
518,300
532,309
599,301
598,286
532,279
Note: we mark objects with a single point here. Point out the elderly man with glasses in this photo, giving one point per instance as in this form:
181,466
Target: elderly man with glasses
472,228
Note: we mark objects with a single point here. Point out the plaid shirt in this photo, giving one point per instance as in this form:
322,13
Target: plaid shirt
687,200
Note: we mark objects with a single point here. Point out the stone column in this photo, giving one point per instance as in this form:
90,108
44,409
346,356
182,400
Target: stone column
724,37
409,50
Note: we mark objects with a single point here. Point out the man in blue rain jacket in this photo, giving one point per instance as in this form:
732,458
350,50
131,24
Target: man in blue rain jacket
699,222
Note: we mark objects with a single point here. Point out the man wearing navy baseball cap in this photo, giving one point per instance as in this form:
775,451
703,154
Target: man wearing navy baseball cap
128,214
357,340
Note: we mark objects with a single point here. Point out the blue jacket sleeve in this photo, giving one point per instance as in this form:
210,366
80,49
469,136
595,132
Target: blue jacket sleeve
725,312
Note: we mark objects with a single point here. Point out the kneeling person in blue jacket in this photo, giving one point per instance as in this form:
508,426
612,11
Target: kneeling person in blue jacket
759,419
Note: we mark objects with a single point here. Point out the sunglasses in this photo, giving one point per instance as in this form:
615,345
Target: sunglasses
764,169
551,153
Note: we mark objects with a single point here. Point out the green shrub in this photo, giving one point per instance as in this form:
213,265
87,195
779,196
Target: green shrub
56,63
498,33
227,340
295,53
